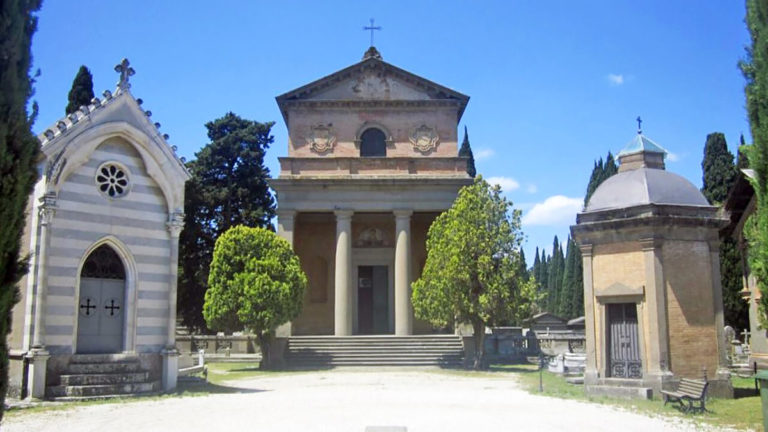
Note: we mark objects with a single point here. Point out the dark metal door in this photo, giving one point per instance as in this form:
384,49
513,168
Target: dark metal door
623,342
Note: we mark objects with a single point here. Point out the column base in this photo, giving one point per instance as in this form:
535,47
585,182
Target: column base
37,371
284,330
170,368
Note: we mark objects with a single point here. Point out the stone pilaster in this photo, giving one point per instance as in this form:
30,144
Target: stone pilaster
717,297
38,355
170,354
657,372
285,226
342,302
403,308
591,370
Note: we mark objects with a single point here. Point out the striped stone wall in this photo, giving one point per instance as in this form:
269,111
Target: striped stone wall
84,216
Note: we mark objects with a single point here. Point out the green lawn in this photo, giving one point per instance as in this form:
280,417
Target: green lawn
742,412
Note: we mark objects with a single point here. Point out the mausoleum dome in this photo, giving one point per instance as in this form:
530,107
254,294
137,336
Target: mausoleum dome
643,180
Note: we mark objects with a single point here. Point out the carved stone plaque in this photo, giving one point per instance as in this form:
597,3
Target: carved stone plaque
424,138
321,138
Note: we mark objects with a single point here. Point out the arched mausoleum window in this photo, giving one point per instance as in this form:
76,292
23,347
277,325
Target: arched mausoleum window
373,143
103,263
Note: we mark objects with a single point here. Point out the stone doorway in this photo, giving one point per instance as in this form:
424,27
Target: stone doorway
373,299
623,341
101,303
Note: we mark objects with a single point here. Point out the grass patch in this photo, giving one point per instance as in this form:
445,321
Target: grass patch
742,412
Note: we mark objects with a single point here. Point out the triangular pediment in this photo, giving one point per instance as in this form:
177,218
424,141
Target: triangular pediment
373,80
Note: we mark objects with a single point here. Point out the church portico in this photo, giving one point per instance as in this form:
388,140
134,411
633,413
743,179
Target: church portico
372,161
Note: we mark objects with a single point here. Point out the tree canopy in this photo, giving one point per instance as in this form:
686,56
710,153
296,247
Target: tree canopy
755,70
81,92
718,169
472,273
466,151
19,149
255,283
228,187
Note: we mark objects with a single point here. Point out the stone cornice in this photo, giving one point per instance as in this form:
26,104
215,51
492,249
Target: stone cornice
372,104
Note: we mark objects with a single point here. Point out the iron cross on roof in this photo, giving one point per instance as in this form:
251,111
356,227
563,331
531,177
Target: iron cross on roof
639,125
371,28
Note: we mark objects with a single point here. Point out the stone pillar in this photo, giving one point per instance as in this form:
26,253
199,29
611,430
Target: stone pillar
170,354
591,369
657,371
717,297
38,355
342,301
403,312
285,226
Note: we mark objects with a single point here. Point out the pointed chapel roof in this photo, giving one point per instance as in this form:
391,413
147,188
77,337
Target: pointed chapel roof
372,59
639,144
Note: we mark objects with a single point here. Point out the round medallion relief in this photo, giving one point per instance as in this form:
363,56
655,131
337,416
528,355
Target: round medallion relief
112,180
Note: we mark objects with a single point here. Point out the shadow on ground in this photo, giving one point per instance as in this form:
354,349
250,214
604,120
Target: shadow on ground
207,387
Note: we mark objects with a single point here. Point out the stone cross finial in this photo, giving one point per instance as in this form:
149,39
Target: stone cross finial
639,125
126,71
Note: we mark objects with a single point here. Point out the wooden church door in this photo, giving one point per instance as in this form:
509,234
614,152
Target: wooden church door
623,341
102,303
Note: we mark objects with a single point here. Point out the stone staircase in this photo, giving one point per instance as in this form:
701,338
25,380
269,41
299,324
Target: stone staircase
318,352
92,376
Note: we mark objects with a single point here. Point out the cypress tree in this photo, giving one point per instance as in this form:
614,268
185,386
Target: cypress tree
568,284
523,270
577,295
466,151
555,276
719,172
19,149
81,92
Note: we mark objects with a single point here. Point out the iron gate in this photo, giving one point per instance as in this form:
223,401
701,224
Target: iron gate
623,342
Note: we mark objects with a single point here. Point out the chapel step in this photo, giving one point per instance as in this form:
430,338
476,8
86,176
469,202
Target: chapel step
104,379
103,390
308,352
102,375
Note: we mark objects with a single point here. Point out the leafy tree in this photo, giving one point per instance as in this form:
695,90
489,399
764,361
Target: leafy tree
719,172
228,187
18,153
255,282
755,70
466,151
472,272
81,92
719,175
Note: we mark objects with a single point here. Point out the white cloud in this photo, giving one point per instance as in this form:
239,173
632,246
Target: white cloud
531,188
556,210
616,79
483,154
672,157
508,184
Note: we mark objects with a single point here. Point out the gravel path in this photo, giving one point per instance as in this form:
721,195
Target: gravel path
349,400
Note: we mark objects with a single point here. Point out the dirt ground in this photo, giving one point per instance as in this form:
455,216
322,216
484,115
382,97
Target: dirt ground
350,400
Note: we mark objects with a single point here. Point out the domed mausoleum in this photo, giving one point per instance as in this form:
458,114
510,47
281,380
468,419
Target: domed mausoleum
652,296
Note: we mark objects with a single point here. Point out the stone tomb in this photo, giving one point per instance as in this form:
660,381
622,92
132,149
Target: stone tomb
98,306
652,295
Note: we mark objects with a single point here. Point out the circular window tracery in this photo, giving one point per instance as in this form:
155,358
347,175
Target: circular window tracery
112,180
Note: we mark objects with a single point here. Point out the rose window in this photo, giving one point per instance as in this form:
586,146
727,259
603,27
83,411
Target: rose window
112,180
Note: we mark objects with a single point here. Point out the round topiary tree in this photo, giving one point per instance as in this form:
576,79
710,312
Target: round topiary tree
255,283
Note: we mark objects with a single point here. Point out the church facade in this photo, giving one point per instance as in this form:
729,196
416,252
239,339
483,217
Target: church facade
372,160
98,305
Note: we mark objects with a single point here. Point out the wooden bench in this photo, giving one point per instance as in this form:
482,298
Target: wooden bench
690,391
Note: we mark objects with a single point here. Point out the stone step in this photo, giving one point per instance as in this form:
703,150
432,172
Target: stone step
102,368
352,354
104,379
408,363
377,344
104,358
103,390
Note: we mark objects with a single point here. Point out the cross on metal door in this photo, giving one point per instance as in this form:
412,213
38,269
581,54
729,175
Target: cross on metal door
623,341
101,306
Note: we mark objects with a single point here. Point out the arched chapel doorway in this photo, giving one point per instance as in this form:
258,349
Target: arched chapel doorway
102,303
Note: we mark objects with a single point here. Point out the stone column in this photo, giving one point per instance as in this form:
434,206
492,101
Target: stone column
38,355
403,312
170,354
717,297
342,301
657,345
285,226
591,370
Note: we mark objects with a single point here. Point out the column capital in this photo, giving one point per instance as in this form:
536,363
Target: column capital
47,208
343,213
586,249
650,244
288,214
403,213
175,224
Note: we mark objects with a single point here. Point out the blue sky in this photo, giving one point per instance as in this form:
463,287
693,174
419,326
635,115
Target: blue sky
554,85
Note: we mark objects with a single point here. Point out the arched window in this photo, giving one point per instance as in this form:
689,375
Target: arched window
103,263
373,143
